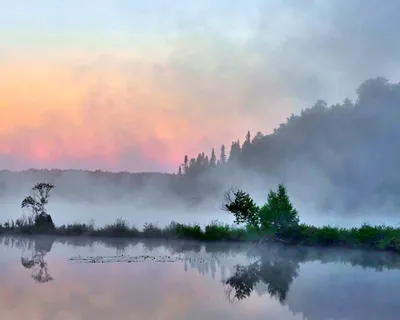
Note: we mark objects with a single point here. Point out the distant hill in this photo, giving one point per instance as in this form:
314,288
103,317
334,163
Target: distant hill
342,157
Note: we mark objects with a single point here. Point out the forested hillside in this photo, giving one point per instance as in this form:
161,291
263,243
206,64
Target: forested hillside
345,154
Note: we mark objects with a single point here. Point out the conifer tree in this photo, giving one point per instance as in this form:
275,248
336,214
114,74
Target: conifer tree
222,157
213,159
186,165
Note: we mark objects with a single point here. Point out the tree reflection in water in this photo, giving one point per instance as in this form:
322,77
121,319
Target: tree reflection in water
36,263
275,269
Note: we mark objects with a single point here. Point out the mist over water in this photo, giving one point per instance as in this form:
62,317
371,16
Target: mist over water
68,212
155,204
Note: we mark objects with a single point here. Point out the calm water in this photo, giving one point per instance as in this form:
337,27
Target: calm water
189,280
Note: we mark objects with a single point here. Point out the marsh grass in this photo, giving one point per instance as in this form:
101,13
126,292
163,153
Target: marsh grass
367,236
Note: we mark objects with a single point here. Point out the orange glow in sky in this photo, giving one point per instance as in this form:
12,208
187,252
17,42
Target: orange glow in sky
111,116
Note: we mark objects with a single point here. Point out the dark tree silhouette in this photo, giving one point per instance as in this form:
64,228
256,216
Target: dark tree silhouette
276,269
185,164
213,159
37,202
234,154
222,157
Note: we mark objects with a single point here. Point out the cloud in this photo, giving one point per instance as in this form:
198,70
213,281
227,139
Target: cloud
202,76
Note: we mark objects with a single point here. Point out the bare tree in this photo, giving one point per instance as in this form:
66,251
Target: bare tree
37,202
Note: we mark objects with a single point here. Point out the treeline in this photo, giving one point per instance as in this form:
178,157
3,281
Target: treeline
349,149
203,162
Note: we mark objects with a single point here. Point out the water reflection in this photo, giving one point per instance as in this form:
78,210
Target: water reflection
276,270
273,281
38,248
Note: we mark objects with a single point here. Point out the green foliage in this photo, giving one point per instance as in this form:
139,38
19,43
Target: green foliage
278,213
275,216
391,243
119,228
368,237
151,230
186,231
243,207
279,220
218,231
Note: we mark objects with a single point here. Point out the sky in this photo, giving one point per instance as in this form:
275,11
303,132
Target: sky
135,85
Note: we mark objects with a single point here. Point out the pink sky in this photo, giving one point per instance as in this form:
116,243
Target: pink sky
128,85
114,112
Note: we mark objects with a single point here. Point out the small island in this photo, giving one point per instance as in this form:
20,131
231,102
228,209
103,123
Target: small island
276,221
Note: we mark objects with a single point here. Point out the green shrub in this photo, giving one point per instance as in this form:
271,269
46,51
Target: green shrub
368,235
219,231
188,231
391,244
278,214
151,230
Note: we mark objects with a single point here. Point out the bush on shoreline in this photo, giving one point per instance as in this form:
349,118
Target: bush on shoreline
366,236
120,228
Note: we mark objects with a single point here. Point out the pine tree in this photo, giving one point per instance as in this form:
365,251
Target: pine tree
213,159
222,157
199,163
232,151
278,214
235,151
192,166
247,138
180,171
186,165
246,149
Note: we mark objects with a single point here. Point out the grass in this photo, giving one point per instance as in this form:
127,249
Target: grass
366,237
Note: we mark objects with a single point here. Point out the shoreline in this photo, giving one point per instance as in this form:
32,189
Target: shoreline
366,237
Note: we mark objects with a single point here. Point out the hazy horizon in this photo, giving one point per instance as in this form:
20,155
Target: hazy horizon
127,86
123,85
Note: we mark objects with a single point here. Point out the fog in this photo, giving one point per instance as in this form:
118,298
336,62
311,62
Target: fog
154,201
66,212
339,159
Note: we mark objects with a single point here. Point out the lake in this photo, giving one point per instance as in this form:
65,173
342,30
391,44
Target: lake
79,278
